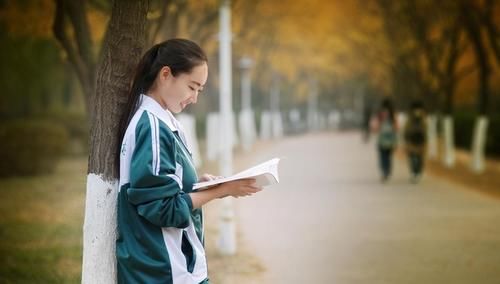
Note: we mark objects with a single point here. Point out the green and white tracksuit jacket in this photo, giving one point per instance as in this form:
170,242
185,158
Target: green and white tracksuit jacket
160,235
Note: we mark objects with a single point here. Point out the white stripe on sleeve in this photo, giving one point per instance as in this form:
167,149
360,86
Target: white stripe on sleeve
155,143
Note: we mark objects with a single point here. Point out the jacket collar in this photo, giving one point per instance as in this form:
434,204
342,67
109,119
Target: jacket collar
165,115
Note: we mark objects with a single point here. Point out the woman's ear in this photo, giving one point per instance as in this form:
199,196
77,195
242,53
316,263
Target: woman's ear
165,72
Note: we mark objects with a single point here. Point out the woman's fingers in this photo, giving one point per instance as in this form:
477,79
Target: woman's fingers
242,188
247,190
209,177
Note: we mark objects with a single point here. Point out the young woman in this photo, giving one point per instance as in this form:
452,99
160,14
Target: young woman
160,223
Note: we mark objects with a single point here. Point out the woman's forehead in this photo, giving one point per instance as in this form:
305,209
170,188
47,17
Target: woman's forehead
199,74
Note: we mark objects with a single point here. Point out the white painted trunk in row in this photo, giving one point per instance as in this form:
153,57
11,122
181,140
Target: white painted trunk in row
432,145
479,143
277,125
214,139
99,231
265,125
333,119
402,118
448,143
247,129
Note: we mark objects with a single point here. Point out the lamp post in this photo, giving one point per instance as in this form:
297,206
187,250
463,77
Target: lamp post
227,232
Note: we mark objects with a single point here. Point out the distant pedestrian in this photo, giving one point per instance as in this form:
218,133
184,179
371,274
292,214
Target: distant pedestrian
415,140
385,126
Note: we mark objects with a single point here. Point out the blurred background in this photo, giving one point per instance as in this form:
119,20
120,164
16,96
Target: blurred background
306,76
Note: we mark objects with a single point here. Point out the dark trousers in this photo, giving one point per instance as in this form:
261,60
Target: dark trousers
385,161
416,162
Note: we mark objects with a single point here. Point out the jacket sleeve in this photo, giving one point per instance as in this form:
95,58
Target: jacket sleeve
156,178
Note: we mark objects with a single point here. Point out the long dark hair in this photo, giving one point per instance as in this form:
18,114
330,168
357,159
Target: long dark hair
180,55
387,105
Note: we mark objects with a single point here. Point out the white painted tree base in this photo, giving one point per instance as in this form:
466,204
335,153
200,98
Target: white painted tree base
214,138
248,132
402,118
277,125
265,125
449,143
432,147
99,231
479,143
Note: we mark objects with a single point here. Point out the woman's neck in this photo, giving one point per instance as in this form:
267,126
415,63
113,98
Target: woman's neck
158,99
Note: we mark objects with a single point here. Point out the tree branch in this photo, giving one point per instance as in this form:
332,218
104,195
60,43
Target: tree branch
156,25
59,30
76,12
200,30
491,29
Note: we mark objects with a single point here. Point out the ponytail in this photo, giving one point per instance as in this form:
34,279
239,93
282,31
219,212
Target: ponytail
138,87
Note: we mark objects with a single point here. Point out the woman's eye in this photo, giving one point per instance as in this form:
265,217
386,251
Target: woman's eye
192,89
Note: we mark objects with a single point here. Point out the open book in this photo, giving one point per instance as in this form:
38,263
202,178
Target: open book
264,174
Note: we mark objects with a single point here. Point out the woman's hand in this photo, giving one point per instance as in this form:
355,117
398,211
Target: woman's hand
239,188
208,177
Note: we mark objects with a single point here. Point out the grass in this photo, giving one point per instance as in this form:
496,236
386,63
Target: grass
41,225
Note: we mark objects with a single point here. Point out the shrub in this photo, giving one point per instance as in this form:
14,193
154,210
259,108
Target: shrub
31,147
77,127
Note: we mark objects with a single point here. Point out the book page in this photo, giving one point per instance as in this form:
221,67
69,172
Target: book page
264,174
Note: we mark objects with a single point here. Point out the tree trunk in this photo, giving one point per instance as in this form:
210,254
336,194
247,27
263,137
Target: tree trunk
482,59
122,48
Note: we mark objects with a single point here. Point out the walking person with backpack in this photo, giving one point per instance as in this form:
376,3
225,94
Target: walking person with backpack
385,125
415,140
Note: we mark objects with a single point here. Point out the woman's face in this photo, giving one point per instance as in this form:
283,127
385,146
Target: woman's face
177,92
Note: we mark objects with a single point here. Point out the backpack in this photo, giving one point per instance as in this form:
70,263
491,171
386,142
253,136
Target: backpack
387,135
415,133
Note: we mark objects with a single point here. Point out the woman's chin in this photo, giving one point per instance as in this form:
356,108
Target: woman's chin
176,110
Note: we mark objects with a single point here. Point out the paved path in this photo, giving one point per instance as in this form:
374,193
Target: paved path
330,220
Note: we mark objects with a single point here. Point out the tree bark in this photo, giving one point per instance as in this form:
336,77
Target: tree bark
121,51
